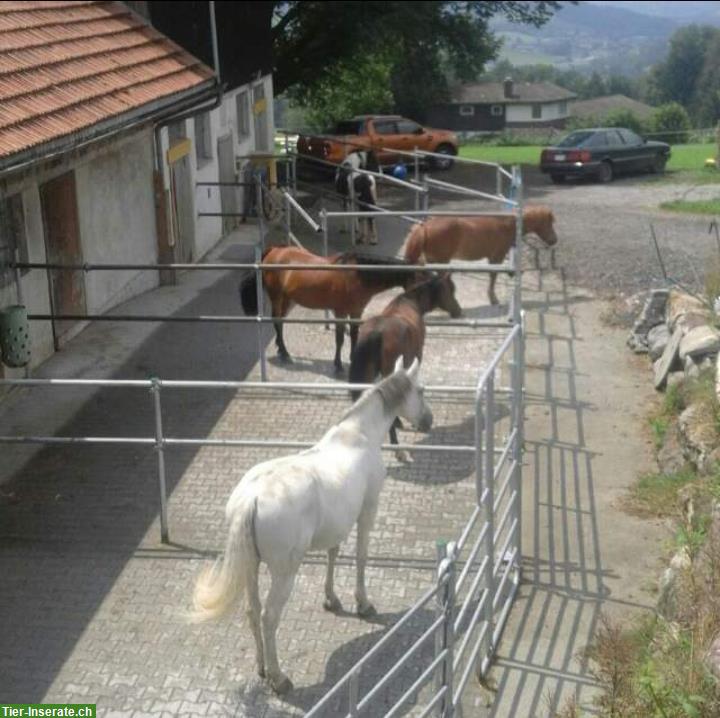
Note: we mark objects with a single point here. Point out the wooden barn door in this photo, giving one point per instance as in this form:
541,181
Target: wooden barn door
62,246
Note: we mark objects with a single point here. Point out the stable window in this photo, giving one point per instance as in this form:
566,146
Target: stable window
562,108
203,139
467,111
242,105
496,110
536,111
12,237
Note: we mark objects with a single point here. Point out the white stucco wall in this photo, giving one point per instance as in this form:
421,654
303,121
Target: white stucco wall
223,121
523,113
117,220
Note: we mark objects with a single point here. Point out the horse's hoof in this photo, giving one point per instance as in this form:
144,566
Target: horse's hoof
261,671
285,358
338,369
402,456
332,604
366,610
281,684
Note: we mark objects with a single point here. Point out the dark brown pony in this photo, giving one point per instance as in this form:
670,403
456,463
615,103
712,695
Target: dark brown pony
399,331
345,293
441,239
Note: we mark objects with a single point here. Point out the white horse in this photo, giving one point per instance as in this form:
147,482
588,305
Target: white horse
364,191
309,501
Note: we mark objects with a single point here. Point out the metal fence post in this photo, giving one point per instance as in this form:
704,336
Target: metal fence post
426,193
354,690
259,249
441,552
416,160
517,254
353,207
288,218
489,518
449,632
518,449
160,449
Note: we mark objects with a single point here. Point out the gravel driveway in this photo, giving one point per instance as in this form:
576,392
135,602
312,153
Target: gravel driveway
605,240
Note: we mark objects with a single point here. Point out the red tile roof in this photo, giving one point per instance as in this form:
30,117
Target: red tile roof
66,66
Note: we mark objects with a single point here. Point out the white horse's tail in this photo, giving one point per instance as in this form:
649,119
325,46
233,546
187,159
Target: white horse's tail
219,587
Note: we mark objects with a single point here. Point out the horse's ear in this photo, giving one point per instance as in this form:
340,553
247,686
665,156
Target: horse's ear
413,370
398,364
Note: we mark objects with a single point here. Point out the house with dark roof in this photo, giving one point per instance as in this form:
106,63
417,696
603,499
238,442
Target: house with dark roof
599,108
107,127
496,106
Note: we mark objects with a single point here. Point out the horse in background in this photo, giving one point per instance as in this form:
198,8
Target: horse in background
344,292
364,189
398,333
285,507
440,239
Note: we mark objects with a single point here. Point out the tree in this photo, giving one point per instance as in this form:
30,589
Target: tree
706,101
673,119
421,41
349,89
676,79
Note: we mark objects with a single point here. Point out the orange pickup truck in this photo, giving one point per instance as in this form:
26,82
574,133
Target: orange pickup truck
380,135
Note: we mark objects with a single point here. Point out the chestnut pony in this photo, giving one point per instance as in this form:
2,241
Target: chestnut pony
441,239
399,332
345,292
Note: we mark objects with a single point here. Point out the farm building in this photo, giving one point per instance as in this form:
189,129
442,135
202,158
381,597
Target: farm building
496,106
107,127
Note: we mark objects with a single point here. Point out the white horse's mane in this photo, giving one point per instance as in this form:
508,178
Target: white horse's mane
393,389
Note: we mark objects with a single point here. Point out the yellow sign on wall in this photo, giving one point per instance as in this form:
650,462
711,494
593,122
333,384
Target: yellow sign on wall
260,106
178,151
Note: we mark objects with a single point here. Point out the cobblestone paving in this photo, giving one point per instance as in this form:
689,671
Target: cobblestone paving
93,606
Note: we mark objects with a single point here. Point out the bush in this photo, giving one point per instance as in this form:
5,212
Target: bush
673,120
625,118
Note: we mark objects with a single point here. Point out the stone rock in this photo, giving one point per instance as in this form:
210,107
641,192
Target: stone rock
698,436
668,588
653,313
692,370
699,342
657,340
691,320
675,377
669,359
717,377
670,457
679,304
712,657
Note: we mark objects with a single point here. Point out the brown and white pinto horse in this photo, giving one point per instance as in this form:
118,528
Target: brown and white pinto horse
345,293
440,239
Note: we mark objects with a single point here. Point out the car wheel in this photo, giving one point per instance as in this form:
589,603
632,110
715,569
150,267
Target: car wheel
658,164
444,163
605,172
557,179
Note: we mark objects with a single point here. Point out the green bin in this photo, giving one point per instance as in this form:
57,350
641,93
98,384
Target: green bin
14,336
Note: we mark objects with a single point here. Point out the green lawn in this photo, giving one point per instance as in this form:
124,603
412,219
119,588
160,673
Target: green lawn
701,206
526,155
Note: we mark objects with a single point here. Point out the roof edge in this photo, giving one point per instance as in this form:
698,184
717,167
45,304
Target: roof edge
18,161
